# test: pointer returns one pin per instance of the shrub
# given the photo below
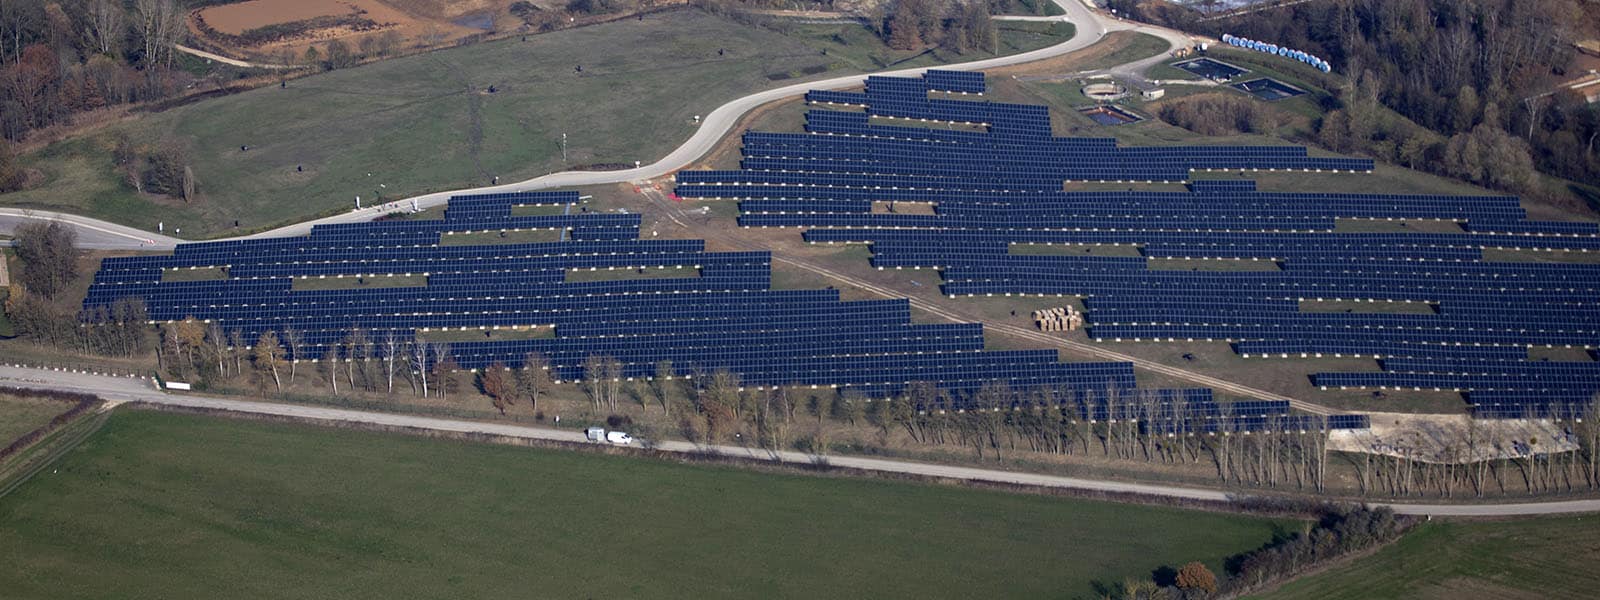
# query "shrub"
(1219, 114)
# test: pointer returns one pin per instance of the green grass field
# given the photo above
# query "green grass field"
(1027, 8)
(177, 506)
(416, 124)
(1501, 560)
(1139, 46)
(21, 415)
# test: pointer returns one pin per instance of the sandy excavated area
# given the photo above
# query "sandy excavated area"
(1442, 438)
(417, 21)
(244, 16)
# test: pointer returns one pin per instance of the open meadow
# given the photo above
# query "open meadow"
(160, 504)
(1548, 557)
(20, 415)
(616, 93)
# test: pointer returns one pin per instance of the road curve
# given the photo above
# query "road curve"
(1091, 27)
(92, 233)
(123, 389)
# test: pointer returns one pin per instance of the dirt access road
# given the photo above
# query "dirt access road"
(741, 240)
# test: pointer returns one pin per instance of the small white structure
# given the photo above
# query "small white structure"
(596, 434)
(1152, 93)
(178, 385)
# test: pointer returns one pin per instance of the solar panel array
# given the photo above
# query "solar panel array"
(1004, 186)
(722, 313)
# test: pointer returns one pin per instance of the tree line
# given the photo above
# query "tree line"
(205, 352)
(993, 422)
(949, 24)
(1339, 532)
(40, 308)
(1476, 72)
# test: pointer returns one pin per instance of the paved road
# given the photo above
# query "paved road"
(1091, 26)
(123, 389)
(92, 233)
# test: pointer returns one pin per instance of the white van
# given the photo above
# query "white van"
(596, 434)
(619, 437)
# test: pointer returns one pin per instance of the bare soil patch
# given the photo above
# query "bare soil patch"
(1438, 438)
(299, 24)
(244, 16)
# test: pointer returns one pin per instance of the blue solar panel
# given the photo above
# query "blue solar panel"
(702, 310)
(1000, 184)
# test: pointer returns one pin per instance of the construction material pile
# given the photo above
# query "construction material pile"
(1061, 318)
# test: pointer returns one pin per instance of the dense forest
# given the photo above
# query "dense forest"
(1480, 78)
(60, 57)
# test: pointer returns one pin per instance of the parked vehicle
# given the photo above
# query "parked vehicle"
(596, 434)
(619, 437)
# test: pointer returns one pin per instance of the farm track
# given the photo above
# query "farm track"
(738, 240)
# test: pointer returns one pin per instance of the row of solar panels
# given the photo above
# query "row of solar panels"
(991, 190)
(700, 322)
(1239, 242)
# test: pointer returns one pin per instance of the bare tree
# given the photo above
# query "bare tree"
(17, 19)
(160, 26)
(444, 366)
(391, 358)
(497, 384)
(237, 346)
(358, 354)
(659, 388)
(217, 342)
(108, 25)
(613, 380)
(296, 341)
(533, 378)
(418, 353)
(594, 373)
(330, 366)
(269, 356)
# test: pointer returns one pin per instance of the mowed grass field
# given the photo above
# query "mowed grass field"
(416, 124)
(181, 506)
(22, 415)
(1550, 557)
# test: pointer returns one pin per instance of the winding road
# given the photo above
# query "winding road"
(124, 389)
(1091, 28)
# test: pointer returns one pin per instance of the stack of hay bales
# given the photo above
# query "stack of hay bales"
(1061, 318)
